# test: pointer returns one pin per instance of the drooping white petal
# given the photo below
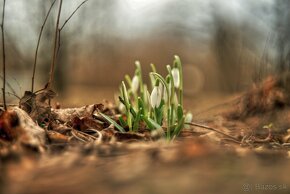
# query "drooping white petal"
(135, 83)
(176, 77)
(155, 97)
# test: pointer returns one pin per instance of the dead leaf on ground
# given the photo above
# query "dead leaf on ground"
(36, 104)
(16, 126)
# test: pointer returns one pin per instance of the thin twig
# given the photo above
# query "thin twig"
(212, 129)
(10, 87)
(2, 105)
(56, 39)
(231, 140)
(266, 140)
(229, 102)
(12, 94)
(72, 15)
(66, 21)
(38, 43)
(4, 56)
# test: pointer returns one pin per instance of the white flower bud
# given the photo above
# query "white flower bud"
(187, 119)
(176, 77)
(165, 96)
(155, 97)
(122, 108)
(135, 84)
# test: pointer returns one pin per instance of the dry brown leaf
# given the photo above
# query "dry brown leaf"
(66, 115)
(36, 104)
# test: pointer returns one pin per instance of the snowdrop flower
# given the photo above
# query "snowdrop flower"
(135, 84)
(176, 77)
(155, 97)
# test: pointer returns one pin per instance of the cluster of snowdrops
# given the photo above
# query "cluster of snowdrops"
(158, 109)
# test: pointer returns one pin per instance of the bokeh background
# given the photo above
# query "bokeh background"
(225, 46)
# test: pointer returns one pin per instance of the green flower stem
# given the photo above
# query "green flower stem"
(152, 78)
(130, 91)
(179, 127)
(127, 105)
(139, 71)
(172, 116)
(168, 123)
(153, 67)
(162, 80)
(172, 84)
(137, 120)
(144, 100)
(128, 80)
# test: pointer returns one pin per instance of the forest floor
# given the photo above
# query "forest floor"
(244, 150)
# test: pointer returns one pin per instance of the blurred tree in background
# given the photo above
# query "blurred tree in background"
(283, 34)
(223, 40)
